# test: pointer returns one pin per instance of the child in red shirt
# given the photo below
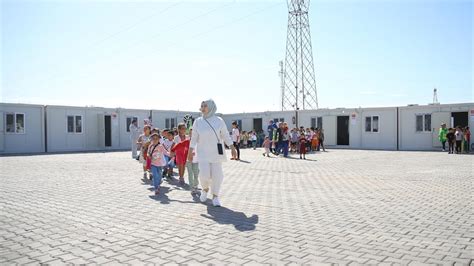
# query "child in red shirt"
(180, 149)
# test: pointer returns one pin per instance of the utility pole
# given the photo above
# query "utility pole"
(299, 78)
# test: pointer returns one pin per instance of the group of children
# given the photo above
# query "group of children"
(282, 140)
(458, 139)
(249, 139)
(161, 151)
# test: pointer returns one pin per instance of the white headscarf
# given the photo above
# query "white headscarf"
(211, 105)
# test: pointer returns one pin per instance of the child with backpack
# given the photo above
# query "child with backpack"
(157, 153)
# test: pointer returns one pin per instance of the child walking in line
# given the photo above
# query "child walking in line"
(193, 170)
(148, 159)
(168, 143)
(266, 145)
(180, 150)
(143, 143)
(303, 142)
(451, 140)
(157, 152)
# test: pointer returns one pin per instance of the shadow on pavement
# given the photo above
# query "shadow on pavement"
(224, 215)
(297, 158)
(164, 199)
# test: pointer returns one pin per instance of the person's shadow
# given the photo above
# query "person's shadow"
(162, 197)
(224, 215)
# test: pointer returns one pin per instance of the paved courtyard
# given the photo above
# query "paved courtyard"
(343, 206)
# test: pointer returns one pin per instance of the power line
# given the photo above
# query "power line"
(112, 35)
(55, 75)
(183, 24)
(138, 22)
(198, 35)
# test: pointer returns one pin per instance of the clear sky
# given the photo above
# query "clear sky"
(173, 54)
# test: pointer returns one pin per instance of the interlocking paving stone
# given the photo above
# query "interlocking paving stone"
(344, 206)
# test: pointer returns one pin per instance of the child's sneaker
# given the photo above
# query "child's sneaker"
(203, 196)
(215, 202)
(181, 181)
(157, 192)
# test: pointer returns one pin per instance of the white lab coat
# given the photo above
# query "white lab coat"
(134, 135)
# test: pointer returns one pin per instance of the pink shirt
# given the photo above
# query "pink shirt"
(157, 154)
(266, 144)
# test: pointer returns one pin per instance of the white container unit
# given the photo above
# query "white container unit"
(21, 128)
(258, 121)
(27, 128)
(72, 128)
(419, 125)
(170, 119)
(126, 117)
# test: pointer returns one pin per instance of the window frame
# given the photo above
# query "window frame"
(319, 118)
(14, 123)
(171, 123)
(279, 120)
(371, 130)
(316, 120)
(127, 125)
(74, 123)
(423, 123)
(239, 124)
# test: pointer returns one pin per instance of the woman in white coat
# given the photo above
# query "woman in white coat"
(134, 135)
(209, 136)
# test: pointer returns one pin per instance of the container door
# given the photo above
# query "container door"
(436, 120)
(257, 124)
(343, 130)
(108, 131)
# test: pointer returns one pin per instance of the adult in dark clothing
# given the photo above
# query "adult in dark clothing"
(271, 126)
(279, 139)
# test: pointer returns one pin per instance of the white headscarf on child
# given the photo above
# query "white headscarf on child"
(212, 108)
